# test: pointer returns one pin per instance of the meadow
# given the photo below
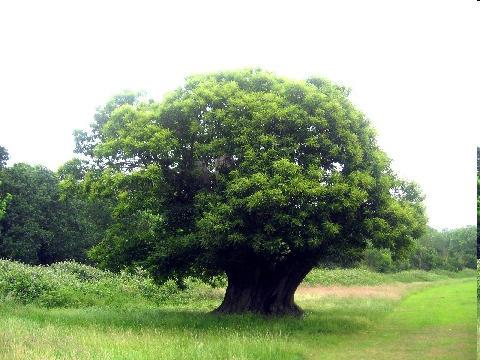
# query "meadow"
(73, 311)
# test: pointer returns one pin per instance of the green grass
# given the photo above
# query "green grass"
(435, 322)
(177, 333)
(438, 322)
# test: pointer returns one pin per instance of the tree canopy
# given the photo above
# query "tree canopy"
(42, 222)
(448, 249)
(3, 157)
(248, 174)
(4, 198)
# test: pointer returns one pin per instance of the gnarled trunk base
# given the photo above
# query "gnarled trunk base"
(263, 291)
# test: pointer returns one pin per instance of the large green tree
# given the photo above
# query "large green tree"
(250, 175)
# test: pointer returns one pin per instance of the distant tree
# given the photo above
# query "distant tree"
(461, 247)
(4, 197)
(74, 169)
(26, 231)
(4, 200)
(3, 157)
(478, 160)
(425, 254)
(247, 174)
(38, 227)
(89, 215)
(448, 249)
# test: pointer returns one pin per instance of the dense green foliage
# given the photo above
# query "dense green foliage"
(447, 249)
(379, 260)
(4, 198)
(3, 157)
(245, 169)
(92, 213)
(40, 223)
(70, 284)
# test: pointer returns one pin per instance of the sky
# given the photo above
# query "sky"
(413, 67)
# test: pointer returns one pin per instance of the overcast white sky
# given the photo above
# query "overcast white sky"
(414, 67)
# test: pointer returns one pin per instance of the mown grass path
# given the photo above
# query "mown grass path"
(438, 322)
(435, 322)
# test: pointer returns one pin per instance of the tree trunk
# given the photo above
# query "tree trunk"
(260, 290)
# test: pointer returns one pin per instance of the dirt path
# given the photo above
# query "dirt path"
(391, 291)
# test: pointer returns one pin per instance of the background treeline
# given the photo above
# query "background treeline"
(448, 249)
(46, 217)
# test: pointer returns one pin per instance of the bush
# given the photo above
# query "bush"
(379, 260)
(70, 284)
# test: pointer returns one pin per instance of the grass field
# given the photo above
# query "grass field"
(435, 320)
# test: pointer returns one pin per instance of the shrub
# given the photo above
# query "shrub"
(378, 260)
(70, 284)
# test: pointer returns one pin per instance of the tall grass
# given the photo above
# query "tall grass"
(70, 284)
(478, 287)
